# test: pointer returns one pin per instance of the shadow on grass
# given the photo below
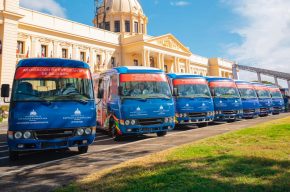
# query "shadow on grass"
(223, 173)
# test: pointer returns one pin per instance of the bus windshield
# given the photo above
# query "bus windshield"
(192, 88)
(248, 93)
(144, 86)
(52, 84)
(276, 94)
(224, 89)
(263, 94)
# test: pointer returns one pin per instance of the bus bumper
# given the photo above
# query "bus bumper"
(145, 129)
(37, 145)
(193, 120)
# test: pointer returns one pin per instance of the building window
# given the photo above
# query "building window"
(165, 68)
(64, 53)
(113, 62)
(142, 28)
(136, 27)
(135, 62)
(98, 60)
(107, 26)
(152, 63)
(127, 26)
(43, 50)
(20, 47)
(117, 26)
(82, 56)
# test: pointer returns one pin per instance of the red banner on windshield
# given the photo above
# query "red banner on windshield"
(261, 88)
(245, 86)
(51, 72)
(189, 82)
(274, 89)
(142, 78)
(222, 84)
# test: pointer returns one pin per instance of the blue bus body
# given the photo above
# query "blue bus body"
(277, 99)
(249, 98)
(265, 100)
(42, 118)
(193, 101)
(227, 102)
(134, 101)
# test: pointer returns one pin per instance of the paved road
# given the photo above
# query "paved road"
(44, 171)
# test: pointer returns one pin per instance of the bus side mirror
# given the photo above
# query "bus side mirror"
(5, 90)
(120, 90)
(175, 92)
(101, 94)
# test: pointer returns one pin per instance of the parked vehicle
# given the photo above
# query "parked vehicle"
(286, 97)
(193, 101)
(226, 97)
(52, 106)
(134, 101)
(277, 99)
(265, 100)
(250, 101)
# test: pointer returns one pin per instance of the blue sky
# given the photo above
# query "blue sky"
(251, 32)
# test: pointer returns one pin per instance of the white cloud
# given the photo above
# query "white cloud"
(47, 6)
(264, 29)
(180, 3)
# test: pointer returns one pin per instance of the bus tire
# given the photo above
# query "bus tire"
(202, 125)
(13, 155)
(83, 149)
(161, 134)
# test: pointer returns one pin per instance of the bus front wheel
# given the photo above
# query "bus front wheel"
(13, 155)
(83, 149)
(161, 134)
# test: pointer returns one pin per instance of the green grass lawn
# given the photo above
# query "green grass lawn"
(252, 159)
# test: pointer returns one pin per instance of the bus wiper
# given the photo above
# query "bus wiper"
(134, 97)
(158, 96)
(40, 98)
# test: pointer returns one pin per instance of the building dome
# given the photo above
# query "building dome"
(122, 16)
(123, 6)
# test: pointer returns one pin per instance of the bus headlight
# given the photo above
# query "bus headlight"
(184, 115)
(88, 131)
(127, 122)
(171, 119)
(80, 131)
(27, 135)
(166, 120)
(17, 135)
(133, 122)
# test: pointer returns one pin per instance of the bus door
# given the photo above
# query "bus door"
(103, 85)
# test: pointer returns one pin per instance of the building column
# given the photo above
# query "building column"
(55, 50)
(259, 77)
(276, 81)
(235, 71)
(288, 82)
(187, 66)
(144, 58)
(91, 63)
(34, 50)
(176, 65)
(159, 62)
(74, 52)
(148, 59)
(8, 36)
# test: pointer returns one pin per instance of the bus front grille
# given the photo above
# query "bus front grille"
(230, 112)
(197, 114)
(54, 134)
(155, 121)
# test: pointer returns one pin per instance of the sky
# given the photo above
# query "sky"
(250, 32)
